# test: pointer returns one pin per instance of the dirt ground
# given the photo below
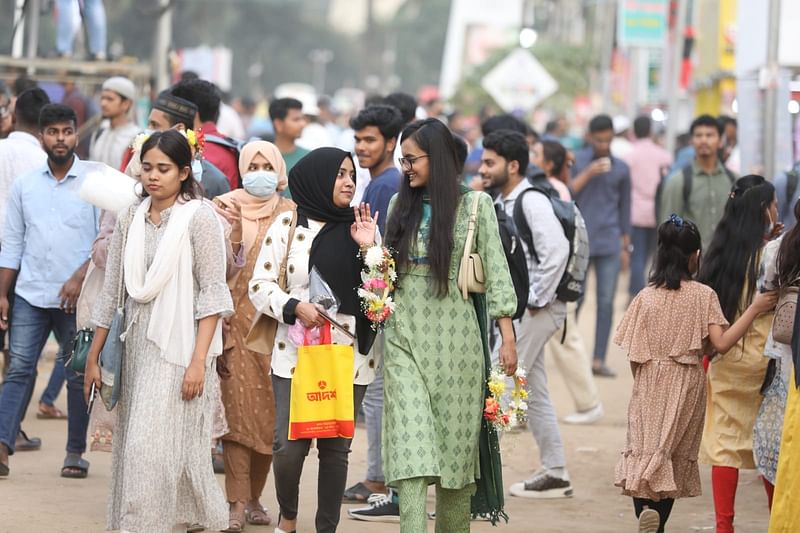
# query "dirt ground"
(35, 499)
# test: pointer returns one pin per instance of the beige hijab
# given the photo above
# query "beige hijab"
(255, 208)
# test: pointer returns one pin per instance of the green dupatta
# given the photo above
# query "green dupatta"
(488, 499)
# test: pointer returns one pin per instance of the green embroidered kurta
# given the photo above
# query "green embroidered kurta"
(433, 363)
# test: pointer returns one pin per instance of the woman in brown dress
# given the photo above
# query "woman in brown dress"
(665, 331)
(246, 387)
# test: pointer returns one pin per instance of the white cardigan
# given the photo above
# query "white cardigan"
(268, 298)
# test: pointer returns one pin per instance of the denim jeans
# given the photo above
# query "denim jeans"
(606, 270)
(373, 417)
(94, 16)
(30, 327)
(644, 244)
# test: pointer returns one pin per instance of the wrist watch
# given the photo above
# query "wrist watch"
(629, 248)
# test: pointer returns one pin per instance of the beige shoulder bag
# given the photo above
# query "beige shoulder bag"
(471, 277)
(785, 310)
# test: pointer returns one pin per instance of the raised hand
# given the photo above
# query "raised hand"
(363, 229)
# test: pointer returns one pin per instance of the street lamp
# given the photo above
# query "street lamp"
(527, 37)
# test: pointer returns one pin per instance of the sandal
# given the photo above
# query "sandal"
(50, 412)
(257, 516)
(236, 522)
(75, 467)
(358, 493)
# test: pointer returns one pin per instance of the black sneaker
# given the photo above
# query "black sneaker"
(543, 486)
(382, 508)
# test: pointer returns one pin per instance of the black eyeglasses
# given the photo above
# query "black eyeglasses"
(407, 163)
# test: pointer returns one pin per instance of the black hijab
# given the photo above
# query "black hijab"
(333, 252)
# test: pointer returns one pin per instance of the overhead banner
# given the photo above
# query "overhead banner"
(642, 23)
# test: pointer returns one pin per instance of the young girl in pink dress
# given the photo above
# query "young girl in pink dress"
(666, 330)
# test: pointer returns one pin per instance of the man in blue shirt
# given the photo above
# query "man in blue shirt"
(601, 186)
(376, 129)
(46, 246)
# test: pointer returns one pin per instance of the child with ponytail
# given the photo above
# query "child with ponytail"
(666, 330)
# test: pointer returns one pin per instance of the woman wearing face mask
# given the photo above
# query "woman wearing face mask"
(326, 238)
(167, 256)
(246, 387)
(731, 267)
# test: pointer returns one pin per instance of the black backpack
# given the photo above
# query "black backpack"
(573, 281)
(688, 178)
(515, 256)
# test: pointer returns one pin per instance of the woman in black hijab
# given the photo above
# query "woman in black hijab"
(327, 237)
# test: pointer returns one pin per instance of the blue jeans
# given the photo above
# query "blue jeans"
(606, 270)
(644, 244)
(94, 15)
(373, 417)
(30, 327)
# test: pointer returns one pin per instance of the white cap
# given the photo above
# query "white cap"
(122, 86)
(621, 123)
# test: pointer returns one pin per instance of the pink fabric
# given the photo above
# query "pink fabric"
(561, 188)
(645, 161)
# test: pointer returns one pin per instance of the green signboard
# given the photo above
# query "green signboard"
(642, 23)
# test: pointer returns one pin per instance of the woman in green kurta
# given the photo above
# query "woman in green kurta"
(434, 362)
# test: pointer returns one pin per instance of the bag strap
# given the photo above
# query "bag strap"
(688, 176)
(473, 222)
(285, 262)
(121, 284)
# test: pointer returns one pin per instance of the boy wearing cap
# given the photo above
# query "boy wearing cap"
(110, 142)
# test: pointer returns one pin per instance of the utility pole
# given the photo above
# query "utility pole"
(17, 42)
(771, 92)
(161, 45)
(607, 13)
(674, 86)
(34, 10)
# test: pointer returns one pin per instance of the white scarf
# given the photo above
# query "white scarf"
(169, 281)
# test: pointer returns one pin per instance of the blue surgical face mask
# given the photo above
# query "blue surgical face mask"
(197, 170)
(260, 183)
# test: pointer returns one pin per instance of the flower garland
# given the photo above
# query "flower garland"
(506, 414)
(377, 285)
(196, 140)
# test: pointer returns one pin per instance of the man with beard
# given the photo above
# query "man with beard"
(700, 190)
(116, 101)
(47, 241)
(503, 164)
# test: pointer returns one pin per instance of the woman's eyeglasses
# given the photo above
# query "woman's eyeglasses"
(407, 163)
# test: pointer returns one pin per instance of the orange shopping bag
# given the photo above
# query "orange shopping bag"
(322, 391)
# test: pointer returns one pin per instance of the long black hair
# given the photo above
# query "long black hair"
(731, 266)
(678, 241)
(176, 147)
(442, 189)
(789, 253)
(555, 152)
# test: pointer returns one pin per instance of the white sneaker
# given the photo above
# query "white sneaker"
(586, 417)
(649, 521)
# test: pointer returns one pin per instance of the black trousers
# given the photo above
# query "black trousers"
(662, 507)
(288, 457)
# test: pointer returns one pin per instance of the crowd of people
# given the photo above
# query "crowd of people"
(225, 234)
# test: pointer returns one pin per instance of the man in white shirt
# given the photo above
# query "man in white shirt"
(116, 100)
(503, 164)
(21, 152)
